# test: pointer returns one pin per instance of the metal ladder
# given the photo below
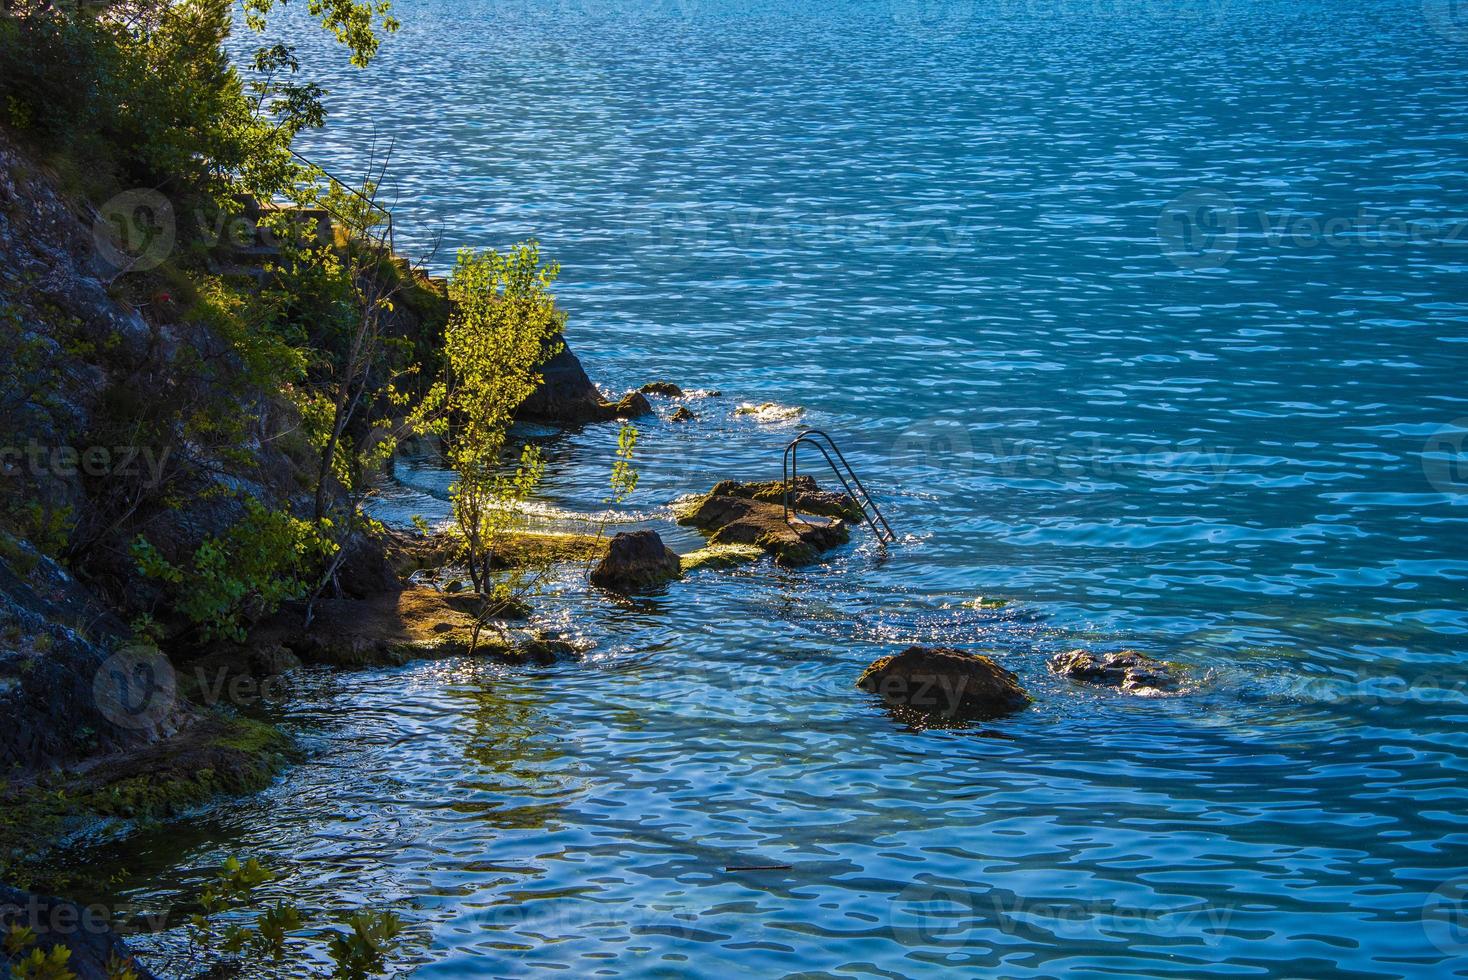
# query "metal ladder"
(869, 509)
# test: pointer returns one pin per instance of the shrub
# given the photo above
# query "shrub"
(502, 326)
(232, 579)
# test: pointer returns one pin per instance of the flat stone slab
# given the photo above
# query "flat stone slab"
(721, 556)
(396, 628)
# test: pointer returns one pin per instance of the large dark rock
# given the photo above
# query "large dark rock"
(742, 513)
(567, 396)
(367, 568)
(566, 393)
(1128, 670)
(636, 560)
(56, 922)
(945, 683)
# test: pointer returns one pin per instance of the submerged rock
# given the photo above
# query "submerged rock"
(544, 650)
(732, 519)
(682, 414)
(945, 683)
(665, 388)
(636, 560)
(1128, 670)
(770, 412)
(721, 556)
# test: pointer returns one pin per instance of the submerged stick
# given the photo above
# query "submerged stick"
(762, 867)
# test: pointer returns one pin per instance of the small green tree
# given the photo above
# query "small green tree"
(502, 327)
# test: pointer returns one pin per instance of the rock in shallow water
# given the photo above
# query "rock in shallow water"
(567, 396)
(742, 520)
(945, 683)
(633, 405)
(565, 393)
(805, 496)
(1128, 670)
(721, 556)
(665, 388)
(770, 412)
(636, 560)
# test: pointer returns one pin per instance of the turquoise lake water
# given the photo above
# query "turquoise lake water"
(1148, 317)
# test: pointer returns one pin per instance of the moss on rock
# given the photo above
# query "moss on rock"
(216, 757)
(737, 520)
(721, 556)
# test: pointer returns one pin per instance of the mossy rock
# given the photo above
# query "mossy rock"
(721, 556)
(216, 757)
(805, 496)
(417, 552)
(528, 549)
(391, 630)
(636, 560)
(664, 388)
(738, 520)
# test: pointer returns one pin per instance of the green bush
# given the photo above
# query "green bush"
(246, 573)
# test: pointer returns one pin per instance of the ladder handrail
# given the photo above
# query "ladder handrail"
(372, 205)
(866, 497)
(791, 472)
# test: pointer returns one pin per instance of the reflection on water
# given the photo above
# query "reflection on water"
(1052, 273)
